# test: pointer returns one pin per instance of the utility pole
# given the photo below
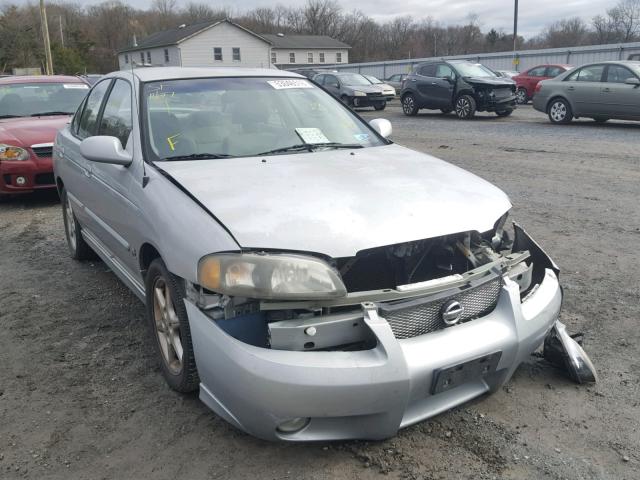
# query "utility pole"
(45, 35)
(515, 34)
(61, 33)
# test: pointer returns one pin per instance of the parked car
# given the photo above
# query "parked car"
(32, 110)
(526, 81)
(91, 78)
(506, 73)
(387, 90)
(396, 80)
(457, 85)
(279, 278)
(352, 89)
(600, 91)
(310, 72)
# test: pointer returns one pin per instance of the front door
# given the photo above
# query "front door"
(583, 88)
(619, 98)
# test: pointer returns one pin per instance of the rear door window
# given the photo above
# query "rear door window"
(592, 73)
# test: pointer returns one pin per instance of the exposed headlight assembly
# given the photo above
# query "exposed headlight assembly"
(9, 152)
(270, 276)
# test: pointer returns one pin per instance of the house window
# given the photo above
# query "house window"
(292, 57)
(126, 58)
(142, 58)
(166, 55)
(236, 54)
(338, 57)
(310, 57)
(217, 54)
(274, 58)
(149, 58)
(321, 57)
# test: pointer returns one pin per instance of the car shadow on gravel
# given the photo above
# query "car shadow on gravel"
(38, 199)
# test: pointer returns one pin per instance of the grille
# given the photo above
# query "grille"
(43, 152)
(412, 318)
(44, 179)
(502, 92)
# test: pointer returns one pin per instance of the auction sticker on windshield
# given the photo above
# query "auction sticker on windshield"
(312, 135)
(81, 86)
(289, 83)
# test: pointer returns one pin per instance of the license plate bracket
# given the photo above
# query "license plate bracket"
(445, 379)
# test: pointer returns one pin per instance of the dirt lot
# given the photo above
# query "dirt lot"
(81, 396)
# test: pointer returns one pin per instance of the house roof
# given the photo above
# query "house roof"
(304, 41)
(176, 35)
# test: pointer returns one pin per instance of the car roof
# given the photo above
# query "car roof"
(41, 79)
(154, 74)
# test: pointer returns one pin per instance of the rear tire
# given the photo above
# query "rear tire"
(465, 107)
(521, 96)
(504, 113)
(409, 106)
(78, 248)
(167, 317)
(560, 111)
(380, 106)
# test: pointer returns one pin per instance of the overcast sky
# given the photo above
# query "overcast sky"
(534, 14)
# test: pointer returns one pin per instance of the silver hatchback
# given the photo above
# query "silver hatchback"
(312, 279)
(602, 91)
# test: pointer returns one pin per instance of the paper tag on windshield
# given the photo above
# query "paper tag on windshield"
(289, 83)
(312, 135)
(81, 86)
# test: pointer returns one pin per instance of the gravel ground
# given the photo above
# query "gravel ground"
(81, 396)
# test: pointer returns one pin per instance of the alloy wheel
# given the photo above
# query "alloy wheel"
(521, 96)
(70, 224)
(463, 107)
(408, 105)
(558, 111)
(167, 326)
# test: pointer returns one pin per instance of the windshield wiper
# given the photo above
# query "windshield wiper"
(310, 147)
(198, 156)
(45, 114)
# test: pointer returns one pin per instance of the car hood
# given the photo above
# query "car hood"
(496, 82)
(27, 131)
(364, 88)
(338, 202)
(383, 86)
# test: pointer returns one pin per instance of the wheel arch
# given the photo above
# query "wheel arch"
(147, 254)
(59, 185)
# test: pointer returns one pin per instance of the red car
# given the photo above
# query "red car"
(32, 110)
(526, 81)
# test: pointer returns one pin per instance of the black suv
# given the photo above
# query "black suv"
(457, 85)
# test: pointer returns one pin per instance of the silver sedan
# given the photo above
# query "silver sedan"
(602, 91)
(312, 279)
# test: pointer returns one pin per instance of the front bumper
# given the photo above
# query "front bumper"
(37, 174)
(366, 394)
(368, 101)
(498, 104)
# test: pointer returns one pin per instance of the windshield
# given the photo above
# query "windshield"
(232, 117)
(29, 99)
(473, 70)
(372, 79)
(354, 79)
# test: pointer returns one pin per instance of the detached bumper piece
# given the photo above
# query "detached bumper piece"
(563, 351)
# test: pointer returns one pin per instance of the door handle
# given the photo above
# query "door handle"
(606, 90)
(571, 89)
(413, 79)
(434, 83)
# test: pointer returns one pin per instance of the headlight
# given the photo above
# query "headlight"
(9, 152)
(270, 276)
(358, 93)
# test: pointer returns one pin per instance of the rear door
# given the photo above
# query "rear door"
(443, 86)
(532, 77)
(583, 88)
(620, 99)
(77, 171)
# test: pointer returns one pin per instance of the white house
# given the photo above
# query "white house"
(225, 43)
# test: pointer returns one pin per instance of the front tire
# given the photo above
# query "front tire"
(560, 111)
(504, 113)
(465, 107)
(167, 317)
(521, 96)
(409, 105)
(380, 106)
(78, 248)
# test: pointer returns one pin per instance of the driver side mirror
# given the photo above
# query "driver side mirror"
(382, 126)
(103, 149)
(632, 81)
